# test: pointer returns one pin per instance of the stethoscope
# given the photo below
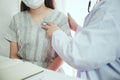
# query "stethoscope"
(89, 5)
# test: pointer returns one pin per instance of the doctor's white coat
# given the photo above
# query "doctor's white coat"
(95, 49)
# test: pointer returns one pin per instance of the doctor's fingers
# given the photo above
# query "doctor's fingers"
(49, 24)
(48, 31)
(46, 26)
(50, 27)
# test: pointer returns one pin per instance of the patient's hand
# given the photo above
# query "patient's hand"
(55, 64)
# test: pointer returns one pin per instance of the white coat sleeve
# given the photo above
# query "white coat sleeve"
(92, 47)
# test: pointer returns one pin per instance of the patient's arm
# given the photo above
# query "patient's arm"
(55, 64)
(13, 50)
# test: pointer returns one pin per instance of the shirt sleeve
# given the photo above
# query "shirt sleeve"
(92, 47)
(63, 23)
(11, 34)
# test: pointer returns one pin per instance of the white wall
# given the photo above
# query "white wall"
(7, 9)
(78, 9)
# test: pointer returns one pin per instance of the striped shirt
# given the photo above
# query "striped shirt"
(34, 46)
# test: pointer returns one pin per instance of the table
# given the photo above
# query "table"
(15, 69)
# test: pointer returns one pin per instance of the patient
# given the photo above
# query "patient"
(28, 41)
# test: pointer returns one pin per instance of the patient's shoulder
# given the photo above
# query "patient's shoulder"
(20, 15)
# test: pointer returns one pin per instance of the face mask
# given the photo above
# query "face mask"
(33, 3)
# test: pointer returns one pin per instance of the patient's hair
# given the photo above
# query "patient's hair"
(48, 3)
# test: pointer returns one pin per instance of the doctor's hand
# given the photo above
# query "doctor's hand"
(50, 28)
(73, 25)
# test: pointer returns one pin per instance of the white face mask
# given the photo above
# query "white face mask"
(33, 3)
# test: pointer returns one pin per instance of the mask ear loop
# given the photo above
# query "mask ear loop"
(89, 5)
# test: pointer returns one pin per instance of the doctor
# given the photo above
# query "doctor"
(95, 48)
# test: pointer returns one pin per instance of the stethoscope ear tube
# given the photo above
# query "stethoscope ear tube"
(89, 5)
